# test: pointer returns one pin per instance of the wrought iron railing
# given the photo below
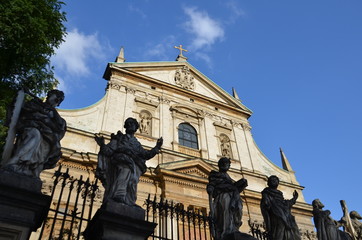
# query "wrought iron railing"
(72, 208)
(174, 222)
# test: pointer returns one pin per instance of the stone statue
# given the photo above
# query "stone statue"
(225, 146)
(279, 221)
(145, 123)
(225, 202)
(327, 227)
(121, 162)
(38, 133)
(356, 223)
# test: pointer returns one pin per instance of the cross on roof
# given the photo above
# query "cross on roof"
(181, 49)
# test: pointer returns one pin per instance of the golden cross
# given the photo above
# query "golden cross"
(181, 49)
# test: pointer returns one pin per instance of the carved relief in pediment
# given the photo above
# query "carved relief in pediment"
(184, 78)
(193, 172)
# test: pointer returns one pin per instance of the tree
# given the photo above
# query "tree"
(30, 31)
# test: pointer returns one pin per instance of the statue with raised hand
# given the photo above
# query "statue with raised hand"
(121, 162)
(225, 202)
(279, 221)
(327, 227)
(39, 130)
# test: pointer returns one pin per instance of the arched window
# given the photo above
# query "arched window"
(187, 136)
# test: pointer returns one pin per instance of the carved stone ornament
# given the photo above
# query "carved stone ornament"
(114, 85)
(184, 78)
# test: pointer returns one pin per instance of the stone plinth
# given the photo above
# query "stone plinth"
(22, 206)
(239, 236)
(116, 221)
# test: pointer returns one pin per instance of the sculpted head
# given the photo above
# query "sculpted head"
(355, 214)
(131, 125)
(55, 97)
(317, 204)
(224, 164)
(273, 181)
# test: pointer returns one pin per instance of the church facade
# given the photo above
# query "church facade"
(199, 122)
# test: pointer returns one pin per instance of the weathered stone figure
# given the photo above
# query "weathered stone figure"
(225, 202)
(356, 223)
(39, 131)
(279, 221)
(121, 162)
(327, 227)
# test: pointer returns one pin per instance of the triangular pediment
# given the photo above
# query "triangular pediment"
(193, 167)
(180, 75)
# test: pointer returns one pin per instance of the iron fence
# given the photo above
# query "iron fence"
(72, 208)
(174, 222)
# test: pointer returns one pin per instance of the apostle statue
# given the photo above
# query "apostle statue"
(121, 162)
(327, 227)
(225, 202)
(356, 223)
(38, 133)
(279, 221)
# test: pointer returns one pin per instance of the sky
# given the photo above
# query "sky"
(296, 64)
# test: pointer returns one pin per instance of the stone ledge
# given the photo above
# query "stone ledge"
(238, 236)
(107, 225)
(18, 181)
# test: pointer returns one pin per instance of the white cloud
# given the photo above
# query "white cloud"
(62, 86)
(206, 30)
(206, 58)
(160, 51)
(73, 55)
(236, 11)
(137, 11)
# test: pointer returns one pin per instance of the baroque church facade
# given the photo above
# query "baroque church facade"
(199, 122)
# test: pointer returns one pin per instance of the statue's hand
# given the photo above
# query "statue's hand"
(295, 195)
(99, 139)
(159, 143)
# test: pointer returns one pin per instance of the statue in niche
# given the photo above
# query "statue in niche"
(38, 133)
(225, 146)
(145, 123)
(225, 202)
(279, 221)
(121, 162)
(327, 227)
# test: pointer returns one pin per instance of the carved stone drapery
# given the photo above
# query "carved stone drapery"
(184, 78)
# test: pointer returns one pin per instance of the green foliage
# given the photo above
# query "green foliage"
(30, 31)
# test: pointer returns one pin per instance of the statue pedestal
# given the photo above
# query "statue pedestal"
(22, 206)
(114, 221)
(238, 236)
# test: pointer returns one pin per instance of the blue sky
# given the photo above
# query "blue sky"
(296, 64)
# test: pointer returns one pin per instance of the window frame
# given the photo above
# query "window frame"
(192, 141)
